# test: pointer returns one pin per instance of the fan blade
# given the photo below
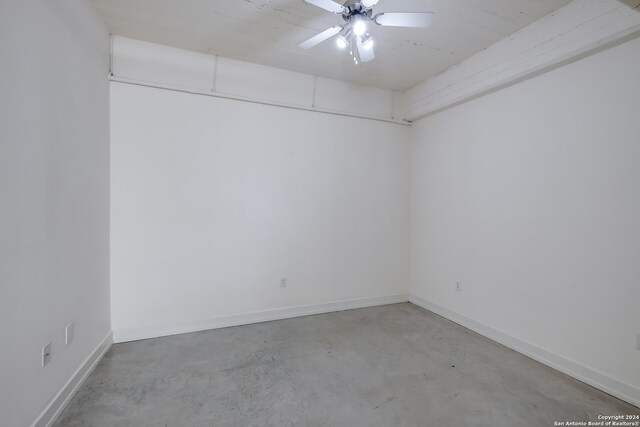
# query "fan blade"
(369, 4)
(415, 20)
(365, 52)
(328, 5)
(319, 38)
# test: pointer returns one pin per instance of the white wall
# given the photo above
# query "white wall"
(54, 196)
(214, 200)
(530, 197)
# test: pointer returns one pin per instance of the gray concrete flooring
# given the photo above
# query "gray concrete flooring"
(396, 365)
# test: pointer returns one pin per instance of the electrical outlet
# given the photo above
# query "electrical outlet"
(46, 354)
(283, 282)
(458, 287)
(68, 334)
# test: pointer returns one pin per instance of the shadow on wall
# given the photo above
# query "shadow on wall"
(633, 4)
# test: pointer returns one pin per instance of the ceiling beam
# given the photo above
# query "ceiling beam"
(581, 28)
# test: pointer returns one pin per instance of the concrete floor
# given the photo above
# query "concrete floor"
(396, 365)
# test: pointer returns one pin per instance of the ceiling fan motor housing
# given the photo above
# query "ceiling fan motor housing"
(355, 9)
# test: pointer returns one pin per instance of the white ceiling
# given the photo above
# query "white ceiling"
(268, 31)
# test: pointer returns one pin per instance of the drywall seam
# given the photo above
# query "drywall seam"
(215, 73)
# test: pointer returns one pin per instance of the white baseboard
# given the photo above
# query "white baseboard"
(590, 376)
(587, 375)
(134, 334)
(60, 401)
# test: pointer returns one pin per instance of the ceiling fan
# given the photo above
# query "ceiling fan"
(354, 34)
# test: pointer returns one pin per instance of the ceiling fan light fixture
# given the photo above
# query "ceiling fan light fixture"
(342, 42)
(367, 42)
(359, 26)
(353, 33)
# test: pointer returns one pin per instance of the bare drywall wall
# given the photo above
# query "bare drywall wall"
(54, 196)
(529, 198)
(214, 201)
